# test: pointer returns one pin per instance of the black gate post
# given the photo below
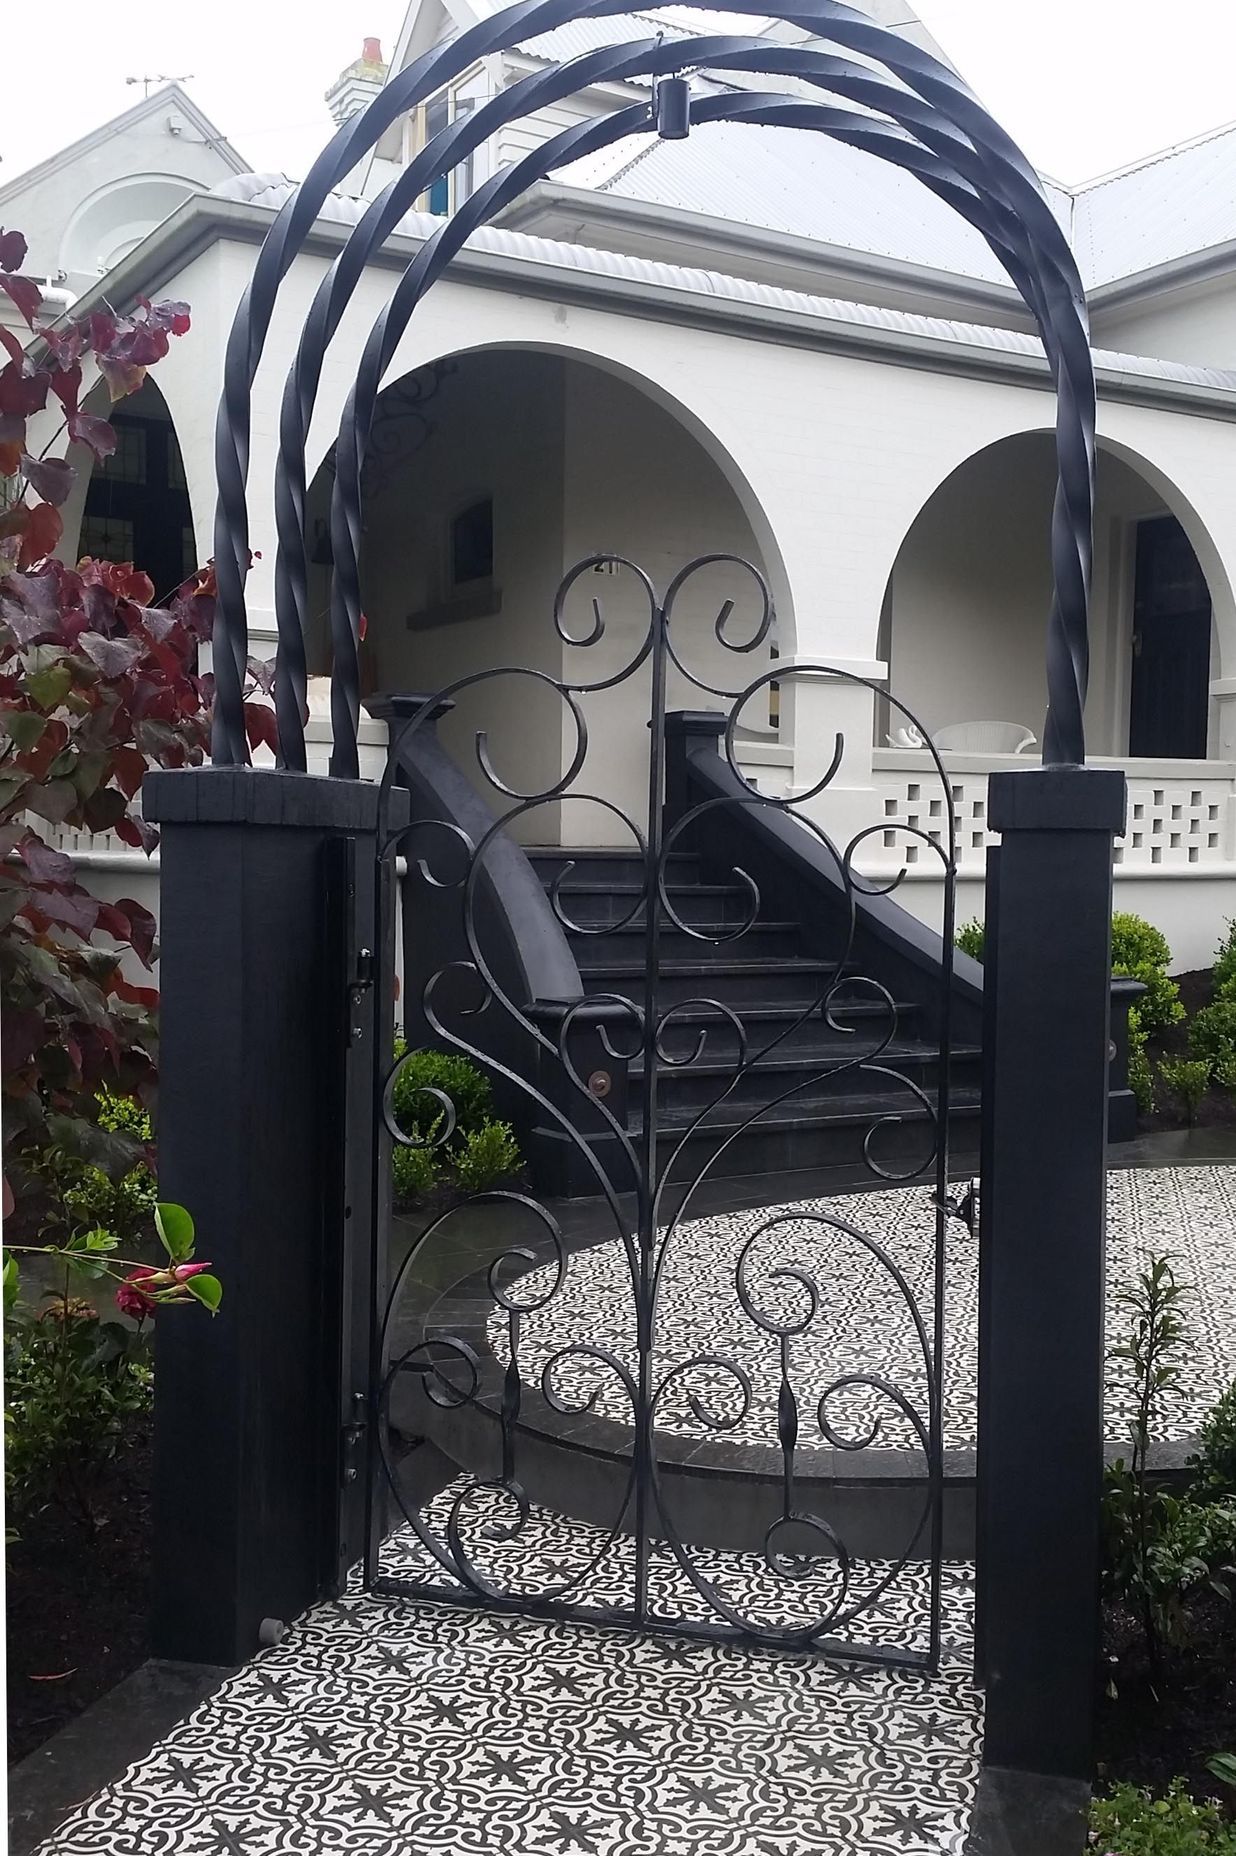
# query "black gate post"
(256, 1011)
(1047, 987)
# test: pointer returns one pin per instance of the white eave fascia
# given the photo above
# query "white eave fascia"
(1195, 267)
(587, 206)
(204, 220)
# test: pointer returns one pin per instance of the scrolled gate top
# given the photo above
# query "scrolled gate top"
(926, 120)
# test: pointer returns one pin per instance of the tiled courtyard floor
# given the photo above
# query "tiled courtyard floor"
(377, 1728)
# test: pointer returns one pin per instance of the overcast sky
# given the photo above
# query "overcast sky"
(1084, 85)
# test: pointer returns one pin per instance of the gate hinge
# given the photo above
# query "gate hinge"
(352, 1437)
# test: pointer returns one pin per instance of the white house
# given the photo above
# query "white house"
(764, 342)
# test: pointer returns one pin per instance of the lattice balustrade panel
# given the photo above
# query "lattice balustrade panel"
(1175, 822)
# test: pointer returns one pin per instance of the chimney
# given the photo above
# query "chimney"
(359, 84)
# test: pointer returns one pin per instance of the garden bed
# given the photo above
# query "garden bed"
(78, 1597)
(1217, 1108)
(1158, 1725)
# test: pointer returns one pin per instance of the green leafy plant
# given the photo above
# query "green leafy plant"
(1223, 1766)
(1224, 970)
(489, 1153)
(1137, 942)
(971, 938)
(1187, 1078)
(426, 1077)
(73, 1380)
(1141, 952)
(414, 1172)
(1133, 1822)
(445, 1103)
(1214, 1465)
(72, 1384)
(1141, 1076)
(1133, 1513)
(1212, 1034)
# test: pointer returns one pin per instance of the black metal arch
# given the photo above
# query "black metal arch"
(929, 124)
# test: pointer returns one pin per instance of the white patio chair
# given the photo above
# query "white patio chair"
(983, 738)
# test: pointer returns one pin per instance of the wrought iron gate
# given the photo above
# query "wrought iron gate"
(652, 1406)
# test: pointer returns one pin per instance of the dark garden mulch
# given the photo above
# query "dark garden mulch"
(1167, 1722)
(78, 1597)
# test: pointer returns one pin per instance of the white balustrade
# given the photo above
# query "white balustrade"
(1181, 815)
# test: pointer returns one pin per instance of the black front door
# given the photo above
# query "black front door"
(1170, 698)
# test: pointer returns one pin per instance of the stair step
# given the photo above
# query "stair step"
(846, 1106)
(592, 904)
(739, 983)
(798, 1137)
(692, 1085)
(766, 944)
(621, 866)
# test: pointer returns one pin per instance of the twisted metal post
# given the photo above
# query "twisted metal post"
(932, 126)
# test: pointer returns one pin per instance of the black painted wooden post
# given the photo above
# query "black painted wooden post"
(255, 1014)
(1047, 988)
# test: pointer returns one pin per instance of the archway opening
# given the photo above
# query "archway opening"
(134, 505)
(488, 476)
(965, 612)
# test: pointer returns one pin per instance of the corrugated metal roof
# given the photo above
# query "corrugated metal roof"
(1169, 207)
(804, 184)
(577, 36)
(273, 190)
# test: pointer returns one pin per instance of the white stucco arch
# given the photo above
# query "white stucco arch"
(952, 634)
(640, 381)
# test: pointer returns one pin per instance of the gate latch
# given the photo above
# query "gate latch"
(363, 978)
(351, 1437)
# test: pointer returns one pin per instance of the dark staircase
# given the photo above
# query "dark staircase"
(819, 1088)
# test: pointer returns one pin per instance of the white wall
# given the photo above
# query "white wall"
(1192, 911)
(1196, 324)
(496, 430)
(972, 587)
(638, 484)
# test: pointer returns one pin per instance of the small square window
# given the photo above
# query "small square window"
(472, 543)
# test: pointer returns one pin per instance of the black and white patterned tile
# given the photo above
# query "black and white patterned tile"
(864, 1321)
(377, 1727)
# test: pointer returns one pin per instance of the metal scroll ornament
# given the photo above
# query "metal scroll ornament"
(533, 1371)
